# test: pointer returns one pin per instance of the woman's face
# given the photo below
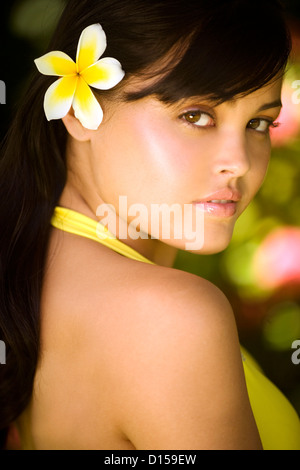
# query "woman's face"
(204, 163)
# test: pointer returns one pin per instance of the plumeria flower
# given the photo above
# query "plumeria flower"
(73, 88)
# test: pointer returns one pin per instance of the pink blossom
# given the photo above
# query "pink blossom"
(277, 260)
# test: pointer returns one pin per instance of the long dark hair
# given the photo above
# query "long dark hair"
(221, 49)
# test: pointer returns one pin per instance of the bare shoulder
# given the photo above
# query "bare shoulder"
(189, 297)
(176, 310)
(169, 302)
(85, 275)
(184, 304)
(164, 343)
(179, 380)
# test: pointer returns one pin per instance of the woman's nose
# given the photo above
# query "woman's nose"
(233, 156)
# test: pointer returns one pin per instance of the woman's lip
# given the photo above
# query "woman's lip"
(219, 209)
(222, 203)
(225, 194)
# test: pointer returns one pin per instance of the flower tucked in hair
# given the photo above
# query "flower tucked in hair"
(73, 89)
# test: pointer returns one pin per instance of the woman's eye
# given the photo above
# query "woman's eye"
(198, 118)
(261, 125)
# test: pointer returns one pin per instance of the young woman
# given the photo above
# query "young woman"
(108, 347)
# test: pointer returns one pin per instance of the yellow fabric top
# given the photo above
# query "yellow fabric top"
(277, 421)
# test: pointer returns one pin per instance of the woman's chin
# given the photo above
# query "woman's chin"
(214, 240)
(198, 246)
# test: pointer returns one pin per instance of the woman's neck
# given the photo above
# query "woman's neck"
(152, 249)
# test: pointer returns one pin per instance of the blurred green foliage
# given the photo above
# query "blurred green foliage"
(35, 20)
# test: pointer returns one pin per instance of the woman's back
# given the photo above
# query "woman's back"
(102, 343)
(72, 405)
(96, 343)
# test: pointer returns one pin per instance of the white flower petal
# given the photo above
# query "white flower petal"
(56, 63)
(59, 97)
(104, 74)
(92, 44)
(86, 107)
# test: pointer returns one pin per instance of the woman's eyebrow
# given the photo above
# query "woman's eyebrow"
(274, 104)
